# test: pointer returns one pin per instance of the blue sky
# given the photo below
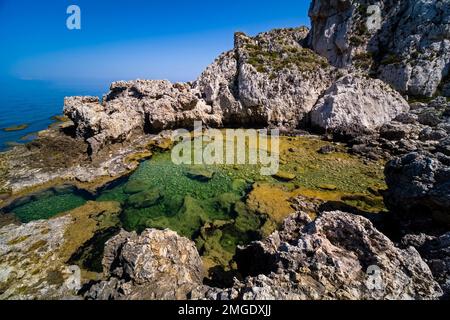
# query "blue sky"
(131, 39)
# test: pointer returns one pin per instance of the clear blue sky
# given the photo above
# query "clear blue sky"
(130, 39)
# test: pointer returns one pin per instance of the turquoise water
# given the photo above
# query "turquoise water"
(159, 194)
(204, 204)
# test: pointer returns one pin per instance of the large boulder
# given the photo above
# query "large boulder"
(435, 250)
(339, 256)
(152, 266)
(419, 187)
(406, 43)
(355, 104)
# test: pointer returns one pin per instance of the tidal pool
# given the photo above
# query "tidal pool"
(222, 206)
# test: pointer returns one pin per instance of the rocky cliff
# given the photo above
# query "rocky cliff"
(403, 42)
(272, 79)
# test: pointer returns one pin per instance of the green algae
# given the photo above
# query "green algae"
(48, 206)
(223, 206)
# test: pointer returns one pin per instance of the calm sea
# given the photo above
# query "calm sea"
(34, 103)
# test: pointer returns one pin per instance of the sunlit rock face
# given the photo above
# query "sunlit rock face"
(355, 105)
(154, 265)
(270, 79)
(310, 260)
(405, 43)
(135, 108)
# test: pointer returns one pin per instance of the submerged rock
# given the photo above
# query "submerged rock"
(135, 186)
(153, 265)
(199, 174)
(285, 176)
(144, 199)
(338, 256)
(19, 127)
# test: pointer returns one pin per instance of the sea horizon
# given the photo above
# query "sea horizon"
(33, 103)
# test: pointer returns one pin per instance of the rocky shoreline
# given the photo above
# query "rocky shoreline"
(346, 79)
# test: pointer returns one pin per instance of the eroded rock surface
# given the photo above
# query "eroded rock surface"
(436, 252)
(419, 187)
(34, 256)
(424, 128)
(267, 80)
(355, 105)
(406, 43)
(153, 265)
(338, 256)
(270, 79)
(135, 108)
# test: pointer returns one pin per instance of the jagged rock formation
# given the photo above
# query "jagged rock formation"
(271, 79)
(419, 185)
(135, 107)
(338, 256)
(355, 105)
(268, 80)
(153, 265)
(424, 128)
(405, 43)
(34, 256)
(436, 252)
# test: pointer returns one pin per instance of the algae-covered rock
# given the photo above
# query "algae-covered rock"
(226, 201)
(144, 199)
(194, 216)
(239, 185)
(34, 255)
(135, 186)
(329, 187)
(285, 176)
(200, 174)
(213, 251)
(246, 221)
(270, 201)
(19, 127)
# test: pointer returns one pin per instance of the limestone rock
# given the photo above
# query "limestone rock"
(153, 265)
(338, 256)
(356, 105)
(30, 266)
(436, 253)
(406, 43)
(135, 107)
(34, 256)
(270, 79)
(418, 186)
